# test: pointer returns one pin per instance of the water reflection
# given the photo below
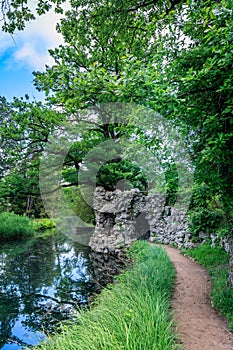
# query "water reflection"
(41, 282)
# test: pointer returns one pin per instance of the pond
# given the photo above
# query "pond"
(42, 281)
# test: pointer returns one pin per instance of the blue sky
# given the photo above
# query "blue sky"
(26, 52)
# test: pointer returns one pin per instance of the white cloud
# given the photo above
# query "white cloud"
(29, 55)
(39, 36)
(30, 47)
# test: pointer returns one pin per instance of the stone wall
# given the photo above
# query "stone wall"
(125, 216)
(117, 217)
(171, 227)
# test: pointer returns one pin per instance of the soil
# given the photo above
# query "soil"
(199, 326)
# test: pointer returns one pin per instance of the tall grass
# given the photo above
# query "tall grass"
(132, 314)
(215, 259)
(13, 226)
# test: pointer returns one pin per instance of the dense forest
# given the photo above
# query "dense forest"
(172, 57)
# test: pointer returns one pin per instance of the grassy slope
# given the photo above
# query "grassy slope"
(131, 314)
(216, 262)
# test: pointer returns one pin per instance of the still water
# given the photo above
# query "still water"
(41, 282)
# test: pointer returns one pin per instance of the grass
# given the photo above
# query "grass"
(215, 260)
(14, 227)
(131, 314)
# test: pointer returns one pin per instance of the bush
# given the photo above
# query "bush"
(206, 220)
(201, 196)
(13, 226)
(43, 224)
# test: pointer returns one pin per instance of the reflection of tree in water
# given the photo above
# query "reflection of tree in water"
(40, 282)
(8, 315)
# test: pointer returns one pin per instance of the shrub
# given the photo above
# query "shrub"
(13, 226)
(206, 220)
(43, 224)
(201, 195)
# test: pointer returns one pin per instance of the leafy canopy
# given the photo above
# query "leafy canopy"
(172, 56)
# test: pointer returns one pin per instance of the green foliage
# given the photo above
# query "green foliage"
(19, 192)
(24, 130)
(172, 56)
(13, 226)
(204, 94)
(172, 183)
(215, 259)
(182, 73)
(201, 196)
(15, 14)
(208, 256)
(206, 220)
(43, 224)
(111, 173)
(95, 73)
(131, 314)
(222, 293)
(78, 199)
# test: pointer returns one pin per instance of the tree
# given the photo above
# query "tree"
(201, 76)
(16, 13)
(95, 63)
(174, 57)
(25, 127)
(176, 61)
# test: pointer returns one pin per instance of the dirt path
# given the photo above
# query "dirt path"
(199, 325)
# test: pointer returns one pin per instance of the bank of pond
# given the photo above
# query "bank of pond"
(133, 313)
(50, 283)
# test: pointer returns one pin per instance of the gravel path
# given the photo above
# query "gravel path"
(200, 327)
